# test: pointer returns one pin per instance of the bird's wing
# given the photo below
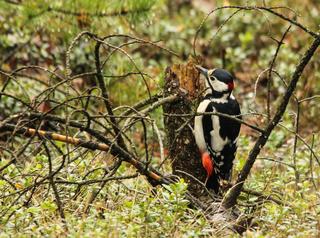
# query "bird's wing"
(201, 126)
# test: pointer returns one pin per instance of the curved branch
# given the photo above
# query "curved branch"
(231, 198)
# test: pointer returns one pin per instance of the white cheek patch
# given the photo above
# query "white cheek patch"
(218, 85)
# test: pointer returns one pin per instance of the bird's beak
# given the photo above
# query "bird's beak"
(202, 70)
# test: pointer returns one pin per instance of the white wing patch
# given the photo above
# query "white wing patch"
(217, 143)
(198, 127)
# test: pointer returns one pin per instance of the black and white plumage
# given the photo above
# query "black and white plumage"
(216, 136)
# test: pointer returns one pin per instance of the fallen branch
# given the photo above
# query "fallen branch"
(109, 146)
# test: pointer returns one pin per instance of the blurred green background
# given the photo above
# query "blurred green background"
(39, 32)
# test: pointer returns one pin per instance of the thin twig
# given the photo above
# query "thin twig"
(280, 43)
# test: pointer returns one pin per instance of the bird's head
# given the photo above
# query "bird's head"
(217, 80)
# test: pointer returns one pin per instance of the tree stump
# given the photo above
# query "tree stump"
(183, 80)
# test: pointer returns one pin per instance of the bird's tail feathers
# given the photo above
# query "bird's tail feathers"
(212, 182)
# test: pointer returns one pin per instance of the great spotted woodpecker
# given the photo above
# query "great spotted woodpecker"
(216, 136)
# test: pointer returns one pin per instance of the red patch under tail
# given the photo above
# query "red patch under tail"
(207, 163)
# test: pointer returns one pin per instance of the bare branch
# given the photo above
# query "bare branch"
(233, 194)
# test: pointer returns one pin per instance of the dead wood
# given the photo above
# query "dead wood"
(183, 80)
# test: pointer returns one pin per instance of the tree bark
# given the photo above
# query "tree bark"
(183, 80)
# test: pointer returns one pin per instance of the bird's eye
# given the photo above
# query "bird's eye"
(212, 78)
